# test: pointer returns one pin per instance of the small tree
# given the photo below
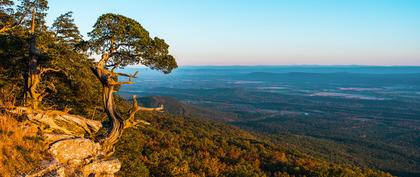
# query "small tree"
(75, 65)
(65, 29)
(122, 41)
(33, 13)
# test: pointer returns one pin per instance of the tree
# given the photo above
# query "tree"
(21, 15)
(33, 13)
(72, 86)
(8, 19)
(33, 77)
(122, 41)
(65, 29)
(29, 14)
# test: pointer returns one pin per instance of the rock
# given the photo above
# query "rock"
(60, 122)
(102, 168)
(73, 155)
(74, 151)
(52, 137)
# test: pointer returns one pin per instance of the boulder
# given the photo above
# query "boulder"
(74, 151)
(102, 168)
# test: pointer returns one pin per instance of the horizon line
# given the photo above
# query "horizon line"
(287, 65)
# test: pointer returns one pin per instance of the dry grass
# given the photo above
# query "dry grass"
(21, 150)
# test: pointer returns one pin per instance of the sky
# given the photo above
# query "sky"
(269, 32)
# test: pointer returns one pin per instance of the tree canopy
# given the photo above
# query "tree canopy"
(126, 42)
(66, 30)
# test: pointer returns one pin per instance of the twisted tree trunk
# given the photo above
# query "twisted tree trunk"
(33, 78)
(117, 122)
(115, 129)
(109, 79)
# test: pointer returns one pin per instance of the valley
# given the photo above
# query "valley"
(368, 116)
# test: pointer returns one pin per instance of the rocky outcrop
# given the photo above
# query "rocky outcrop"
(102, 168)
(74, 152)
(68, 138)
(65, 136)
(59, 122)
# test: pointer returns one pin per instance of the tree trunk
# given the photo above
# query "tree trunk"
(32, 97)
(117, 122)
(115, 129)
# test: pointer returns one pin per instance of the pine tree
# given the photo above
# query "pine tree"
(65, 29)
(122, 41)
(35, 12)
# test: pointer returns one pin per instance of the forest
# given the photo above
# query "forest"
(359, 115)
(60, 114)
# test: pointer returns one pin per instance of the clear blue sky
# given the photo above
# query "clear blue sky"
(270, 32)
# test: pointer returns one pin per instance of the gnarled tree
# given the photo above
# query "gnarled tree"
(29, 14)
(122, 41)
(33, 76)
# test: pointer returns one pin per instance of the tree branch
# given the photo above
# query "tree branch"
(159, 109)
(131, 121)
(127, 75)
(115, 66)
(103, 60)
(113, 83)
(44, 70)
(11, 26)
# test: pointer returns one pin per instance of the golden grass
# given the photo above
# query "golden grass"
(21, 150)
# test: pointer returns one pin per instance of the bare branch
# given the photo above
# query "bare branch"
(115, 66)
(158, 109)
(45, 70)
(131, 121)
(127, 75)
(113, 83)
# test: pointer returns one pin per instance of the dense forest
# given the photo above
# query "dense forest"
(191, 146)
(49, 71)
(365, 116)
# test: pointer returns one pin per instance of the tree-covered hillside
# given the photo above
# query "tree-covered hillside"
(191, 146)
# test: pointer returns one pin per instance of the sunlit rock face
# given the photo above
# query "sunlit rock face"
(81, 157)
(74, 151)
(102, 168)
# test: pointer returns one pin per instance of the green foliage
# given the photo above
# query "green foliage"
(6, 13)
(5, 10)
(65, 29)
(179, 146)
(25, 9)
(73, 86)
(128, 43)
(375, 134)
(77, 87)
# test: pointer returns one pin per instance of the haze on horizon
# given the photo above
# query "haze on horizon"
(270, 32)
